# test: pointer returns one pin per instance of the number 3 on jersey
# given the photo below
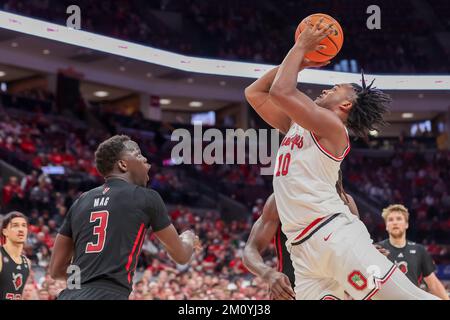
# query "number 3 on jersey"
(99, 231)
(283, 164)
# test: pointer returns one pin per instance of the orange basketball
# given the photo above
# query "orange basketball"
(333, 42)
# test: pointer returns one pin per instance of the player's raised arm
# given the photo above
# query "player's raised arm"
(298, 106)
(262, 233)
(257, 95)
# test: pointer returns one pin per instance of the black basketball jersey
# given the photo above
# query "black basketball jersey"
(284, 258)
(413, 260)
(108, 225)
(13, 277)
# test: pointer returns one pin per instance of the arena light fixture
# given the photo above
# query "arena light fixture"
(373, 133)
(2, 74)
(14, 44)
(101, 94)
(195, 104)
(46, 51)
(407, 115)
(165, 102)
(217, 67)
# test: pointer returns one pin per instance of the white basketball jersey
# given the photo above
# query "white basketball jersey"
(304, 183)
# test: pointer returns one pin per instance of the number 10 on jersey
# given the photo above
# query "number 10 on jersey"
(283, 164)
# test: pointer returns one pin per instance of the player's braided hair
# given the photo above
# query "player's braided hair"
(108, 153)
(368, 108)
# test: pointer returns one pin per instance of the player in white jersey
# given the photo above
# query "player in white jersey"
(331, 249)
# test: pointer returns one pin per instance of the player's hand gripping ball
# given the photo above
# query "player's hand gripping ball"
(330, 45)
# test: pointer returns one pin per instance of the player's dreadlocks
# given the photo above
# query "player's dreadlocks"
(368, 108)
(108, 152)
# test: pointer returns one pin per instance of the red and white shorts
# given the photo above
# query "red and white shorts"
(336, 257)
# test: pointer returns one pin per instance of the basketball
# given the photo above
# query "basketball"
(332, 42)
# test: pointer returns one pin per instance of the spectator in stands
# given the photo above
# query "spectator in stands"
(12, 194)
(40, 194)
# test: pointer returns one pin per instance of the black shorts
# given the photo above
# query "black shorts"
(92, 293)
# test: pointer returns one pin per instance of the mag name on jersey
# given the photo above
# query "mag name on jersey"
(101, 202)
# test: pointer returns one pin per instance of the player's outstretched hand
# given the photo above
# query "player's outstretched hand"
(279, 286)
(382, 250)
(310, 38)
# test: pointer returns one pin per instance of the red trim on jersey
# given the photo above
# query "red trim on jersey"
(280, 252)
(380, 282)
(419, 281)
(140, 248)
(130, 257)
(311, 225)
(328, 153)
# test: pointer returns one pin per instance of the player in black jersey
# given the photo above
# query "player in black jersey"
(14, 266)
(105, 227)
(410, 257)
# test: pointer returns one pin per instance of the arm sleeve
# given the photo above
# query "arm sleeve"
(427, 263)
(66, 228)
(156, 210)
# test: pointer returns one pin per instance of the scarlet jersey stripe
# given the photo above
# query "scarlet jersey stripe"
(136, 241)
(275, 243)
(280, 252)
(419, 281)
(309, 227)
(311, 232)
(140, 248)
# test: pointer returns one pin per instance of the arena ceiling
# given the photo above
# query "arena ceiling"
(23, 56)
